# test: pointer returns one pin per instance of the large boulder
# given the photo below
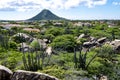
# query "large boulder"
(27, 75)
(5, 73)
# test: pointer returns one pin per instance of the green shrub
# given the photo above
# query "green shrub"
(106, 51)
(13, 45)
(18, 39)
(64, 42)
(55, 31)
(56, 71)
(11, 59)
(94, 67)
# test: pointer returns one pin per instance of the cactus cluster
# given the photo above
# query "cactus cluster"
(33, 60)
(81, 61)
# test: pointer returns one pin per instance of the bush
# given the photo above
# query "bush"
(55, 31)
(64, 42)
(106, 51)
(19, 39)
(56, 71)
(11, 59)
(94, 67)
(62, 59)
(13, 45)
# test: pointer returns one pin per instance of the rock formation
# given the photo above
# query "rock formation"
(27, 75)
(7, 74)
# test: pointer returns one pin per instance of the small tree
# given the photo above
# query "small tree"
(55, 31)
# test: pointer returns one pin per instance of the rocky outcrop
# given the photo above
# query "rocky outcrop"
(27, 75)
(5, 73)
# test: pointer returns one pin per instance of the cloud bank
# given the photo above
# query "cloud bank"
(26, 5)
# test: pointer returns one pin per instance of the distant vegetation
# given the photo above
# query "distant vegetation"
(65, 49)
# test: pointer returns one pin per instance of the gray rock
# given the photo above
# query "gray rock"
(87, 44)
(103, 78)
(48, 50)
(92, 38)
(102, 40)
(5, 73)
(116, 45)
(81, 36)
(24, 47)
(27, 75)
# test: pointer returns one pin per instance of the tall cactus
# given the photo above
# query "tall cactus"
(80, 62)
(33, 60)
(75, 58)
(4, 43)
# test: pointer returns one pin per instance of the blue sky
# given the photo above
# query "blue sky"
(70, 9)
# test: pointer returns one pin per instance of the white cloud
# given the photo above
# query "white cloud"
(116, 3)
(92, 3)
(72, 3)
(23, 5)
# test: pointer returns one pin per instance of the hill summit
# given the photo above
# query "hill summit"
(46, 15)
